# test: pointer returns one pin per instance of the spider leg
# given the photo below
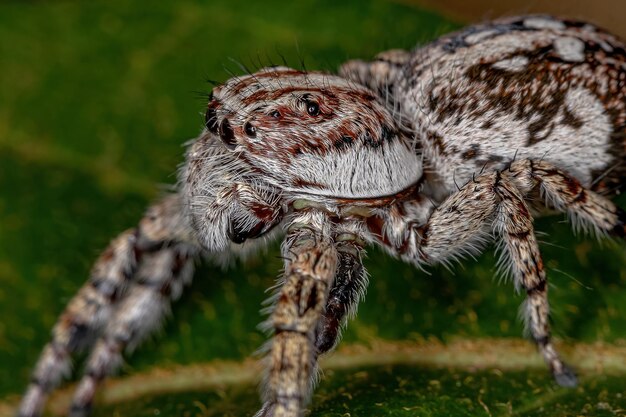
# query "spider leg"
(461, 225)
(379, 74)
(347, 291)
(82, 318)
(159, 280)
(310, 268)
(586, 209)
(156, 242)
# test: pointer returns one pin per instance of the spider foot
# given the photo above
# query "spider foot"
(271, 409)
(566, 377)
(78, 410)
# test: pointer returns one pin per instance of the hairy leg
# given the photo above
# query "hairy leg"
(348, 289)
(462, 225)
(310, 268)
(159, 279)
(100, 298)
(586, 209)
(379, 74)
(82, 319)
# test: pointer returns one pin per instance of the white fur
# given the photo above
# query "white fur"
(570, 49)
(515, 64)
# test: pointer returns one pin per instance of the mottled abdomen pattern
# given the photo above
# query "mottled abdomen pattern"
(529, 87)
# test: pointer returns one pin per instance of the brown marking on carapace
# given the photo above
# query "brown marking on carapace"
(379, 201)
(262, 95)
(343, 142)
(358, 95)
(363, 131)
(301, 183)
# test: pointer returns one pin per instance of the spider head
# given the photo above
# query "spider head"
(313, 134)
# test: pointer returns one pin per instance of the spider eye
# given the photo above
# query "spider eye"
(210, 120)
(275, 114)
(312, 108)
(250, 129)
(227, 135)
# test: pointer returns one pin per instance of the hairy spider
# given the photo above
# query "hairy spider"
(512, 110)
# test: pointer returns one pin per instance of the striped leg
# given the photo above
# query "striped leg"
(159, 279)
(520, 246)
(344, 297)
(586, 209)
(310, 269)
(459, 225)
(91, 309)
(82, 320)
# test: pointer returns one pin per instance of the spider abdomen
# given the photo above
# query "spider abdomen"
(530, 87)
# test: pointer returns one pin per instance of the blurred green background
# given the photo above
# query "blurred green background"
(96, 101)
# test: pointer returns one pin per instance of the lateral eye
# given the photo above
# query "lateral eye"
(312, 108)
(250, 129)
(275, 114)
(210, 120)
(227, 135)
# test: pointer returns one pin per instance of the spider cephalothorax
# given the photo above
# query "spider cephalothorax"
(289, 134)
(313, 133)
(335, 163)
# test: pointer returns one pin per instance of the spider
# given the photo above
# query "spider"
(430, 154)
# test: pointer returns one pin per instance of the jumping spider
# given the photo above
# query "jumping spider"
(524, 114)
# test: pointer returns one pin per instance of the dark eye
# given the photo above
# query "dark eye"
(275, 114)
(312, 108)
(250, 129)
(227, 135)
(210, 120)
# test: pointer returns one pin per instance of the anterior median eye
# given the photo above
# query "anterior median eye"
(312, 108)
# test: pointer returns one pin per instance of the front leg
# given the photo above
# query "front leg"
(348, 290)
(126, 296)
(463, 224)
(310, 268)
